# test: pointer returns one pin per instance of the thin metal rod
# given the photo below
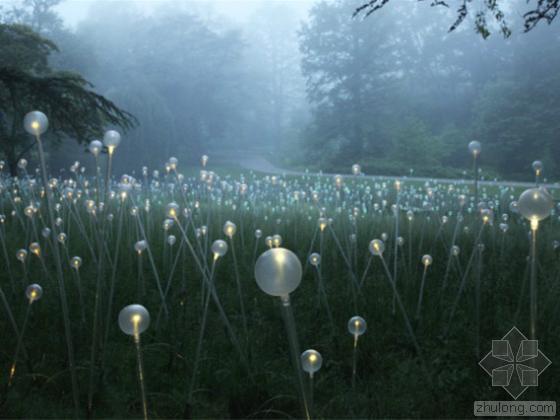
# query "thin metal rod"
(294, 350)
(140, 365)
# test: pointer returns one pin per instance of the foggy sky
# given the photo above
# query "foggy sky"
(74, 11)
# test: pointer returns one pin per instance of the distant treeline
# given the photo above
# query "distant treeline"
(394, 92)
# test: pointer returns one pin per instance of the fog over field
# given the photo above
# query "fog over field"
(262, 209)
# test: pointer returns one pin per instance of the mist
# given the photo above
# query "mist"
(279, 209)
(307, 85)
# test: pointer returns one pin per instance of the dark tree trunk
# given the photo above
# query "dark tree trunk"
(11, 160)
(12, 166)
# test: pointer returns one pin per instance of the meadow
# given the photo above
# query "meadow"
(435, 274)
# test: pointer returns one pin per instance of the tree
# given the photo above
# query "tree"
(541, 10)
(176, 73)
(27, 82)
(275, 88)
(403, 93)
(37, 14)
(363, 79)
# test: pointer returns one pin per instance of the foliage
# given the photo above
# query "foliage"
(404, 91)
(28, 83)
(390, 381)
(540, 10)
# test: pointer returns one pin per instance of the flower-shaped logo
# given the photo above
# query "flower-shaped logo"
(515, 363)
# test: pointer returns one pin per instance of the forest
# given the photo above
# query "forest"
(319, 88)
(314, 209)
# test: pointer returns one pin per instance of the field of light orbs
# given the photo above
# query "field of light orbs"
(254, 295)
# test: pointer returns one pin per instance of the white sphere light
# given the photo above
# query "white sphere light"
(33, 292)
(21, 255)
(111, 140)
(268, 241)
(315, 259)
(357, 326)
(35, 248)
(229, 229)
(427, 260)
(22, 163)
(376, 247)
(535, 204)
(95, 147)
(35, 123)
(219, 248)
(172, 210)
(278, 272)
(311, 361)
(475, 148)
(61, 238)
(140, 246)
(276, 240)
(134, 319)
(537, 166)
(455, 250)
(76, 263)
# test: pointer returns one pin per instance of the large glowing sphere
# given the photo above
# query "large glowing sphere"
(35, 123)
(535, 204)
(134, 319)
(278, 272)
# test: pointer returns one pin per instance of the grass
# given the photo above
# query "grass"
(391, 381)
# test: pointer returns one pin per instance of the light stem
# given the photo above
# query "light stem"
(140, 366)
(61, 286)
(294, 349)
(533, 281)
